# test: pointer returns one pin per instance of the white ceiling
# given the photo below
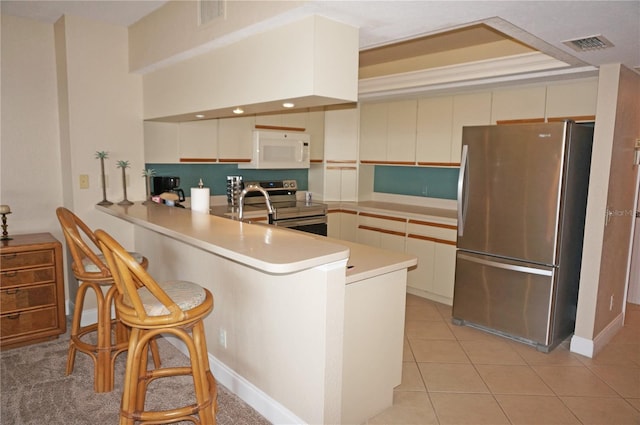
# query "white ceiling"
(545, 23)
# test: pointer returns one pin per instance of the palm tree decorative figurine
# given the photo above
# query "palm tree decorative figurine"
(102, 155)
(147, 174)
(124, 165)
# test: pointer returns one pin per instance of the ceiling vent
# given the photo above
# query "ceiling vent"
(585, 44)
(210, 10)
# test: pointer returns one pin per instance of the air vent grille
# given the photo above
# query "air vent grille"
(585, 44)
(211, 10)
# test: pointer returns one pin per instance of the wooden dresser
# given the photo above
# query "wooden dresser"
(31, 290)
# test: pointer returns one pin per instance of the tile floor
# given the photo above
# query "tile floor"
(460, 375)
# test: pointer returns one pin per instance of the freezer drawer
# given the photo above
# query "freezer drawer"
(506, 296)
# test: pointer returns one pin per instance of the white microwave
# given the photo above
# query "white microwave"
(277, 149)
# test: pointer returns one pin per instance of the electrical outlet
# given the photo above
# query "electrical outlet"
(84, 181)
(222, 338)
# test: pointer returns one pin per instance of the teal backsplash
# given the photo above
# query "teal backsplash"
(430, 182)
(214, 176)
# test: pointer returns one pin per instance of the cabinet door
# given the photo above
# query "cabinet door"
(348, 226)
(235, 139)
(315, 127)
(401, 131)
(373, 132)
(160, 142)
(572, 99)
(468, 109)
(518, 104)
(433, 132)
(444, 267)
(198, 140)
(333, 224)
(341, 183)
(341, 134)
(421, 277)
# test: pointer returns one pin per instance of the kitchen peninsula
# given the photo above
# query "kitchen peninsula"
(305, 329)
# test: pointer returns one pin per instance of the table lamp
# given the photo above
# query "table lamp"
(4, 210)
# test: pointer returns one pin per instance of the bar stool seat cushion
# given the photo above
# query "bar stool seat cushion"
(186, 295)
(90, 267)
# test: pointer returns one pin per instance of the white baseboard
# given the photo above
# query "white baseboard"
(590, 348)
(273, 411)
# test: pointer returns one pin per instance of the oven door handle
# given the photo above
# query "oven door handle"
(295, 222)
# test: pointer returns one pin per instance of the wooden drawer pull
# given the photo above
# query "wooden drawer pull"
(9, 256)
(12, 291)
(12, 273)
(13, 316)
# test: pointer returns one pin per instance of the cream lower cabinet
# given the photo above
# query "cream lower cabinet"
(342, 225)
(381, 231)
(434, 245)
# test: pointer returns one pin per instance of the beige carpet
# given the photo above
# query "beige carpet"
(35, 390)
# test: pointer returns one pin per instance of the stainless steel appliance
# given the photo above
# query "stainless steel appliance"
(522, 195)
(288, 212)
(162, 184)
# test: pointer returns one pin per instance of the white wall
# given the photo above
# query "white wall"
(67, 93)
(30, 172)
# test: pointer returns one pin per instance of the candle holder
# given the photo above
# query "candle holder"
(147, 174)
(5, 234)
(102, 156)
(124, 165)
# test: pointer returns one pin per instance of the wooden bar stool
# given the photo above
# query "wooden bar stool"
(92, 273)
(177, 308)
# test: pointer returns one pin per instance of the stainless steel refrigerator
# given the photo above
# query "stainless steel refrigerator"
(522, 194)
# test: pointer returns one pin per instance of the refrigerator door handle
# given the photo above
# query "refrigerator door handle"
(512, 267)
(462, 194)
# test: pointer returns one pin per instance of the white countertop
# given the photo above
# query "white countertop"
(264, 247)
(447, 216)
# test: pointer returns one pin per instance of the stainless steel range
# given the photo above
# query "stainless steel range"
(288, 212)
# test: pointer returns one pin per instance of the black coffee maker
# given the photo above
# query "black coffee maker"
(167, 184)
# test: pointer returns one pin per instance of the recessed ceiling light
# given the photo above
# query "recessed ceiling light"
(288, 105)
(238, 111)
(199, 116)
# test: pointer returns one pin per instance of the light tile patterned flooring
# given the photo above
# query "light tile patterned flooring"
(460, 375)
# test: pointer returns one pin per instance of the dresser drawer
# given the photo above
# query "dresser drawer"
(27, 277)
(26, 259)
(28, 322)
(26, 297)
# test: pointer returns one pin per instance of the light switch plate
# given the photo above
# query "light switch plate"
(84, 181)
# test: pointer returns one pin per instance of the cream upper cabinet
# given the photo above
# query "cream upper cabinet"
(388, 132)
(198, 141)
(296, 120)
(434, 130)
(526, 103)
(373, 131)
(235, 139)
(468, 109)
(572, 99)
(341, 134)
(315, 127)
(160, 142)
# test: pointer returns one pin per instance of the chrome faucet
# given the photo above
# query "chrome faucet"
(267, 200)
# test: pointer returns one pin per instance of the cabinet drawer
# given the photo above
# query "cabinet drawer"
(27, 322)
(27, 297)
(27, 277)
(26, 259)
(442, 233)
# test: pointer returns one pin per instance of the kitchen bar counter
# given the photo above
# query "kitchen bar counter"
(299, 319)
(263, 247)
